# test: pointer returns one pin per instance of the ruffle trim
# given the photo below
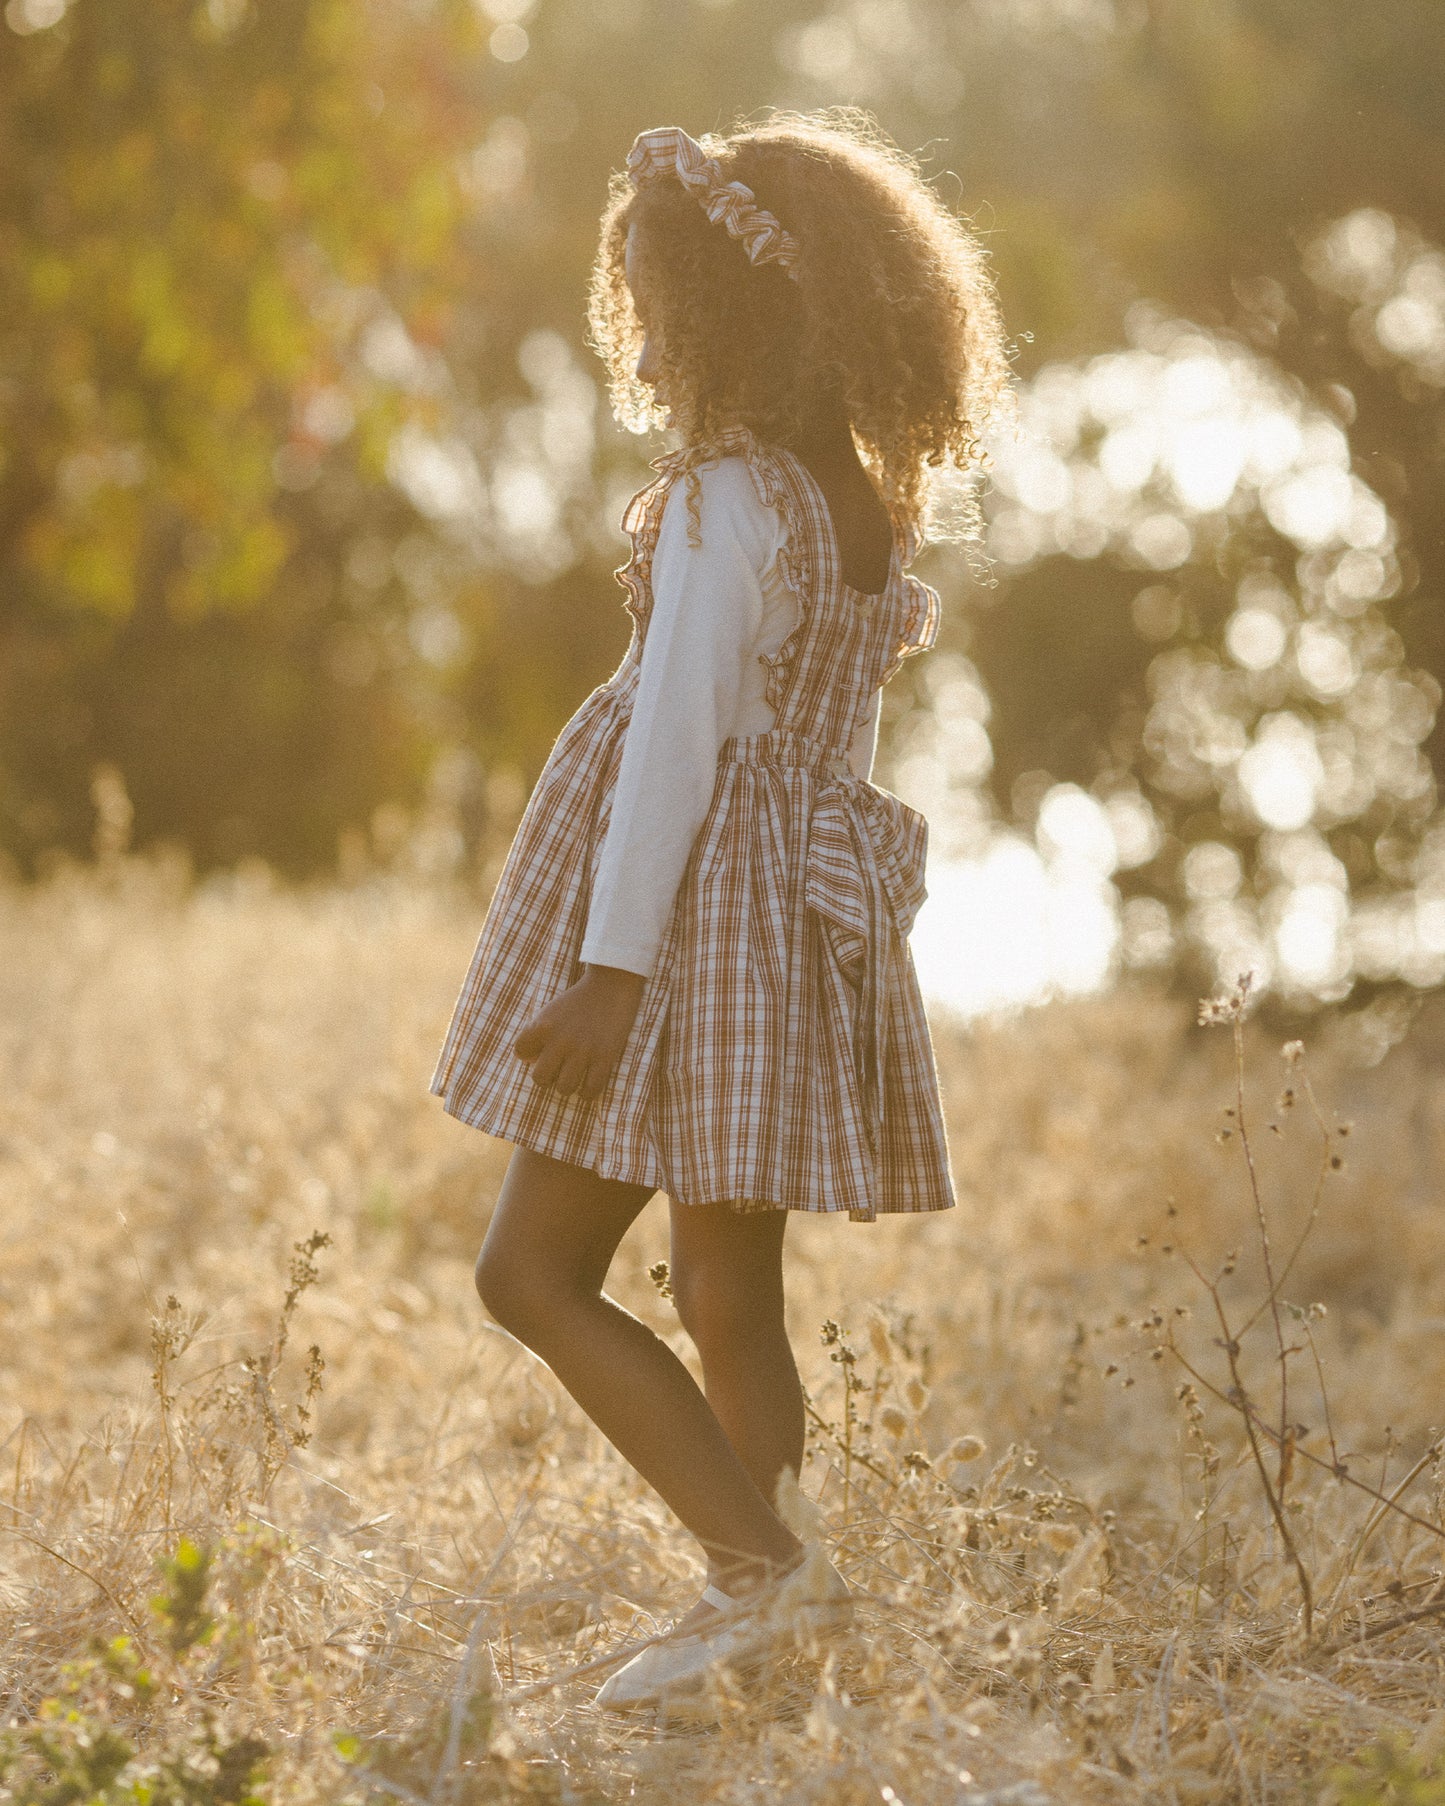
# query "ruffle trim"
(795, 556)
(642, 522)
(920, 625)
(776, 487)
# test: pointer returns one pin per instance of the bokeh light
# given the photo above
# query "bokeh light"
(1303, 720)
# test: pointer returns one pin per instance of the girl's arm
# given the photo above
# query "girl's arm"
(707, 607)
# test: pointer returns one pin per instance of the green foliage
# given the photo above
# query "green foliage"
(92, 1742)
(1388, 1774)
(182, 1607)
(205, 210)
(187, 201)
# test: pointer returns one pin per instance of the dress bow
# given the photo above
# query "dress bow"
(864, 879)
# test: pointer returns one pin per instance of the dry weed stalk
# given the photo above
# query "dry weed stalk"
(1270, 1421)
(415, 1604)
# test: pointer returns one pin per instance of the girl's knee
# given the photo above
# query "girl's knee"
(492, 1281)
(516, 1291)
(722, 1303)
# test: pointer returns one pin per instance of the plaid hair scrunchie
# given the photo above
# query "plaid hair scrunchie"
(668, 150)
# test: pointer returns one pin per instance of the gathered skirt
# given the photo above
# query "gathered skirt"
(780, 1057)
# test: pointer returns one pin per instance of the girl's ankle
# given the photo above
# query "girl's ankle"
(738, 1579)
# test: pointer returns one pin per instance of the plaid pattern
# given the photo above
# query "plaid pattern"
(781, 1055)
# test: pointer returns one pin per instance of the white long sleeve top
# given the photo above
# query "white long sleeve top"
(718, 609)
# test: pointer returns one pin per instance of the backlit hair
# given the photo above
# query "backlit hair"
(893, 313)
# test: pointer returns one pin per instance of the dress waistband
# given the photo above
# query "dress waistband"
(786, 746)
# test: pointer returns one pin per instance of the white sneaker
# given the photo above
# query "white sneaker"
(811, 1598)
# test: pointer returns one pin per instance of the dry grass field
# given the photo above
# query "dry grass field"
(283, 1518)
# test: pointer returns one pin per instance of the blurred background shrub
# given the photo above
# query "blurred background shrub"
(309, 497)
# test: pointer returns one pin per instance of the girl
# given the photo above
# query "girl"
(694, 975)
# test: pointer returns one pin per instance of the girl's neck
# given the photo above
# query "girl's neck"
(862, 528)
(826, 442)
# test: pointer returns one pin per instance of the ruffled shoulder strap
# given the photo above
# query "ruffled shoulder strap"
(919, 614)
(809, 563)
(642, 522)
(805, 558)
(806, 563)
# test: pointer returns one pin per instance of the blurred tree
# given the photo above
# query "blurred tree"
(1274, 172)
(306, 478)
(231, 233)
(301, 478)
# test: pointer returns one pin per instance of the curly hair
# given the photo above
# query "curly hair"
(893, 317)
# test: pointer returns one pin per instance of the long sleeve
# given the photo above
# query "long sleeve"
(707, 606)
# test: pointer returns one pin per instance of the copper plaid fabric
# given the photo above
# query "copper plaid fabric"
(780, 1057)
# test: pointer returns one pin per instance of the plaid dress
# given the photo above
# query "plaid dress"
(780, 1057)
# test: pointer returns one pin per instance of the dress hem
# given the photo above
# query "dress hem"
(537, 1144)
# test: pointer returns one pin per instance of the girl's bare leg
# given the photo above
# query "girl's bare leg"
(727, 1278)
(540, 1274)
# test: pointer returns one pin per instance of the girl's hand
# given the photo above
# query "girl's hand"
(574, 1044)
